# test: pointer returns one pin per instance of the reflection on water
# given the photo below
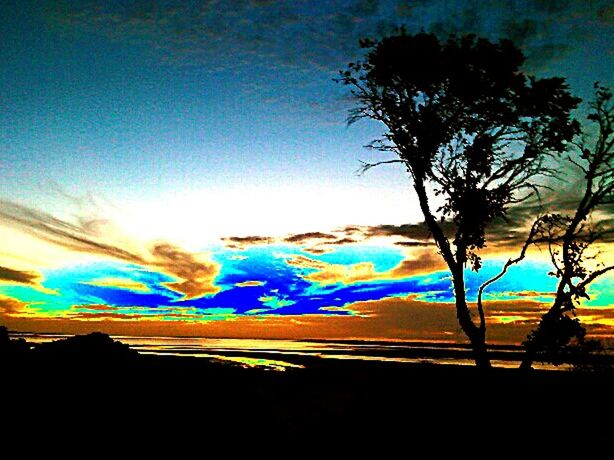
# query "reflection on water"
(295, 354)
(246, 362)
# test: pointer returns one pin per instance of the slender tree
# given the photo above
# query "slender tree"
(472, 130)
(573, 240)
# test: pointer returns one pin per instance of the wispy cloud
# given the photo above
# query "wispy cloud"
(195, 275)
(294, 40)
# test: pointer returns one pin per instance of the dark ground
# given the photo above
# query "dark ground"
(347, 403)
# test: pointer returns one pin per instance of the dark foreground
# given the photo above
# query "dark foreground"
(351, 404)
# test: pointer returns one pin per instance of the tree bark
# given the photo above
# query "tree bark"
(476, 335)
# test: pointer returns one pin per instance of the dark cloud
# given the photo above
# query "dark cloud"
(303, 42)
(242, 242)
(342, 241)
(309, 237)
(508, 231)
(414, 244)
(311, 242)
(20, 277)
(414, 235)
(419, 264)
(316, 250)
(546, 30)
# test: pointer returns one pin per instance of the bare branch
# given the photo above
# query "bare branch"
(578, 165)
(593, 276)
(364, 166)
(530, 240)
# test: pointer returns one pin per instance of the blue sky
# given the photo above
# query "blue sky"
(173, 124)
(159, 100)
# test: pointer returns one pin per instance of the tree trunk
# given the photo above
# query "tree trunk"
(476, 335)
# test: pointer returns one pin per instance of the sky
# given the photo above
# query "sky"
(185, 167)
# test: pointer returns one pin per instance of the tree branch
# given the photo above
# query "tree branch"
(593, 276)
(508, 264)
(365, 166)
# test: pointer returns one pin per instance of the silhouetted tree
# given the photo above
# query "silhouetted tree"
(472, 130)
(572, 239)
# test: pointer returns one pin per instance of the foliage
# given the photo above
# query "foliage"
(462, 116)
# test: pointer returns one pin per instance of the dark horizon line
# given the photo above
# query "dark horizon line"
(440, 343)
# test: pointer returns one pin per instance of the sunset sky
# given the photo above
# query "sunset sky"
(185, 168)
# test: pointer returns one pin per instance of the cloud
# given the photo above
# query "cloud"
(414, 244)
(343, 241)
(120, 283)
(11, 306)
(303, 44)
(502, 234)
(81, 237)
(318, 242)
(405, 318)
(421, 263)
(20, 277)
(301, 238)
(250, 283)
(105, 312)
(95, 307)
(417, 263)
(312, 242)
(197, 277)
(242, 242)
(547, 31)
(97, 237)
(529, 294)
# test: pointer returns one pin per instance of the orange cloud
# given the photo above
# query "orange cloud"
(97, 307)
(509, 321)
(196, 276)
(250, 283)
(11, 306)
(529, 294)
(420, 262)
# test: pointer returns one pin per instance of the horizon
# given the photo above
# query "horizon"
(186, 168)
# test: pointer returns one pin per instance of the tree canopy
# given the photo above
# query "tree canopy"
(469, 126)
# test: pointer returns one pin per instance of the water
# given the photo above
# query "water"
(280, 355)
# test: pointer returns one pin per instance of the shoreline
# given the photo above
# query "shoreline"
(342, 400)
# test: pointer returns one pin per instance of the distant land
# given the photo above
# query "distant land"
(385, 399)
